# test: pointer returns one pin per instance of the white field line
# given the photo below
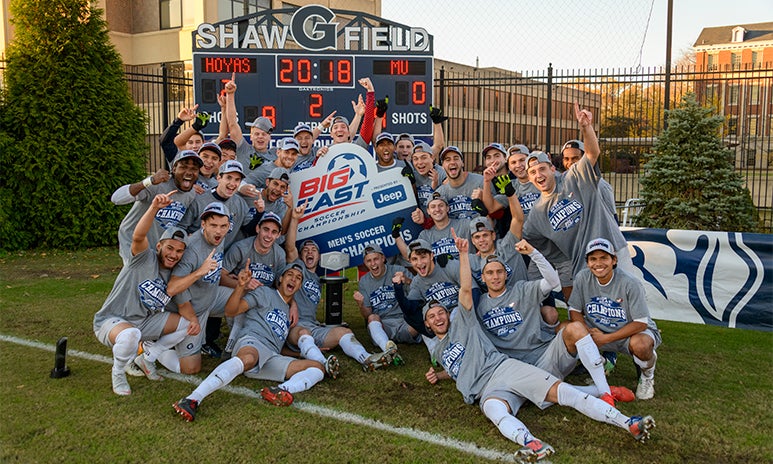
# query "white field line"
(466, 447)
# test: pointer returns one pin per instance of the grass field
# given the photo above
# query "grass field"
(712, 402)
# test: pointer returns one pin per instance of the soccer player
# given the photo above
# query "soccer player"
(378, 305)
(267, 322)
(185, 171)
(460, 186)
(611, 304)
(499, 383)
(135, 308)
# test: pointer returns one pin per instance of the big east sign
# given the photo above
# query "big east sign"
(313, 28)
(349, 203)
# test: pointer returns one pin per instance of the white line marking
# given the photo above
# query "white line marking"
(466, 447)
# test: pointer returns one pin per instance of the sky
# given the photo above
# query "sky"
(524, 35)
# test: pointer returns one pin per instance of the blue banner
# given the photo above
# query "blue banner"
(717, 278)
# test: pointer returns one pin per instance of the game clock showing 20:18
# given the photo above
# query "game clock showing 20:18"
(293, 88)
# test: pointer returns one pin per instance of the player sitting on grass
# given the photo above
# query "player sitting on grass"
(500, 383)
(266, 325)
(611, 304)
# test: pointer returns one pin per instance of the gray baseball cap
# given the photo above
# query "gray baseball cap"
(516, 149)
(371, 247)
(279, 174)
(479, 224)
(231, 166)
(175, 233)
(271, 216)
(419, 244)
(289, 143)
(600, 244)
(384, 136)
(261, 123)
(422, 147)
(450, 150)
(431, 304)
(188, 154)
(539, 156)
(214, 208)
(573, 144)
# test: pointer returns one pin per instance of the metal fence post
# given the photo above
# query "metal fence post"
(549, 110)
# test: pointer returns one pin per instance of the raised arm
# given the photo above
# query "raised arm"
(465, 274)
(236, 304)
(591, 142)
(438, 138)
(140, 235)
(234, 130)
(291, 249)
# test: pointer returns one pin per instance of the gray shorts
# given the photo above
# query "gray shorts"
(514, 380)
(397, 331)
(564, 269)
(621, 346)
(191, 344)
(556, 359)
(271, 365)
(152, 327)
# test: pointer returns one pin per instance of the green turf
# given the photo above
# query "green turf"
(712, 395)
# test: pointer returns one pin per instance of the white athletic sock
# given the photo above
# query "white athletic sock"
(165, 342)
(590, 406)
(377, 334)
(588, 389)
(223, 374)
(170, 360)
(509, 425)
(236, 326)
(125, 347)
(353, 348)
(303, 380)
(593, 361)
(309, 349)
(647, 367)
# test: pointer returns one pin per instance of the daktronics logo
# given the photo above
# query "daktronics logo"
(343, 185)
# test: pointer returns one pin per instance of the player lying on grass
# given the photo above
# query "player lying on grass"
(502, 384)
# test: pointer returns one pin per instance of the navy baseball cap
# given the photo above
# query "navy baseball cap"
(175, 233)
(271, 216)
(494, 146)
(213, 147)
(384, 136)
(449, 150)
(573, 144)
(302, 127)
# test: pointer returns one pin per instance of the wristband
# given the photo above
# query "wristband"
(147, 182)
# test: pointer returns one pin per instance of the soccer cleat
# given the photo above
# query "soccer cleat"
(646, 388)
(332, 367)
(391, 351)
(211, 350)
(133, 370)
(607, 398)
(534, 450)
(622, 394)
(376, 361)
(640, 427)
(120, 384)
(148, 368)
(277, 396)
(187, 408)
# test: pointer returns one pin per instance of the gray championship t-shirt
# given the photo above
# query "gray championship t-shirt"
(268, 318)
(460, 198)
(379, 293)
(202, 293)
(262, 266)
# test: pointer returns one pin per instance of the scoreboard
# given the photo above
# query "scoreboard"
(291, 85)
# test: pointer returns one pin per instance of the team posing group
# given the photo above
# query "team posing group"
(215, 236)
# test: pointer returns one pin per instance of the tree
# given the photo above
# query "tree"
(69, 131)
(689, 182)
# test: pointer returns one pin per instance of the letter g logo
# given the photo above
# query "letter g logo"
(321, 34)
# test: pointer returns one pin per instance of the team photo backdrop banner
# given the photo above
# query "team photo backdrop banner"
(349, 203)
(717, 278)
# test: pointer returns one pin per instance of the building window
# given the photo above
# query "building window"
(732, 94)
(732, 125)
(751, 157)
(752, 126)
(171, 14)
(228, 9)
(735, 60)
(712, 62)
(738, 34)
(754, 94)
